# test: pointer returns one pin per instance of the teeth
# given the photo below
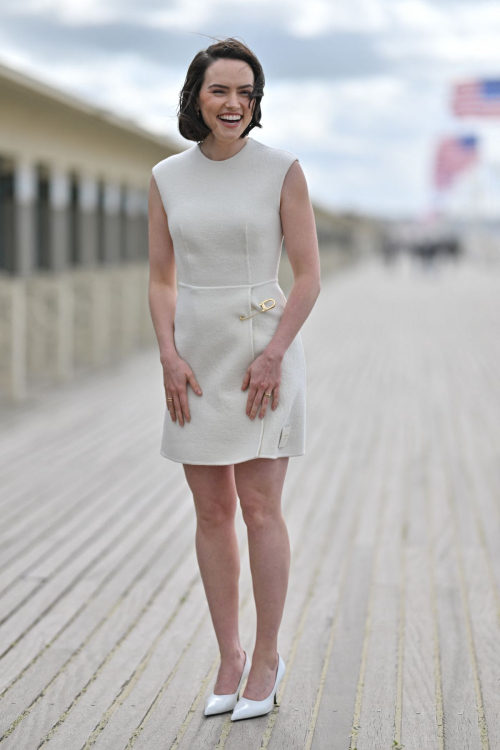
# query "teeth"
(229, 118)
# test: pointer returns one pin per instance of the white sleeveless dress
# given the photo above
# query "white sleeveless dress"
(225, 225)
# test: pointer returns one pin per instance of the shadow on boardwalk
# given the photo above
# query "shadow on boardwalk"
(391, 627)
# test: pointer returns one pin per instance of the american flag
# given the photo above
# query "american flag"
(480, 98)
(453, 156)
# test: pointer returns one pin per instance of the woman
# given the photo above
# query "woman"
(217, 215)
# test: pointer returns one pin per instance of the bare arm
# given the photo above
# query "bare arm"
(162, 302)
(299, 229)
(162, 274)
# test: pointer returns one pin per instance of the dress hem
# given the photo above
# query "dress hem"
(229, 463)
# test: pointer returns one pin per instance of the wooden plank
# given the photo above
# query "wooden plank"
(478, 586)
(458, 668)
(335, 716)
(422, 703)
(377, 714)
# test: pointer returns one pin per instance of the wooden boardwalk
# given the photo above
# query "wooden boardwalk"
(390, 633)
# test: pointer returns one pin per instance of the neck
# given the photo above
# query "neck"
(216, 150)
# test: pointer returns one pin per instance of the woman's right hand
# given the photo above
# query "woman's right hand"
(176, 374)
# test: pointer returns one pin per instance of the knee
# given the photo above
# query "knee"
(256, 510)
(215, 510)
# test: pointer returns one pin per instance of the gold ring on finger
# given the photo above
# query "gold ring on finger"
(267, 394)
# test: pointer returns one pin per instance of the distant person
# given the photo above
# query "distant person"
(217, 215)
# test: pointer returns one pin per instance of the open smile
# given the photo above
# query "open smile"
(230, 121)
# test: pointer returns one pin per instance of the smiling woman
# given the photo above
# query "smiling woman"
(218, 214)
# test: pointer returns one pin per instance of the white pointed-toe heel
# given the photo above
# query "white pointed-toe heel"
(246, 708)
(218, 704)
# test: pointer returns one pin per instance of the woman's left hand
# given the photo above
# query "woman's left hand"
(263, 376)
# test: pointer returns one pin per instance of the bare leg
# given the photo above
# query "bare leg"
(214, 494)
(259, 484)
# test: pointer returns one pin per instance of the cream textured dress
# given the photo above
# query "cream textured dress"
(225, 224)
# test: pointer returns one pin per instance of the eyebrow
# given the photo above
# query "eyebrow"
(221, 86)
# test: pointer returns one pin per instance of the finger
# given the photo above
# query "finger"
(251, 398)
(257, 402)
(194, 383)
(276, 396)
(265, 404)
(178, 409)
(184, 405)
(246, 380)
(170, 406)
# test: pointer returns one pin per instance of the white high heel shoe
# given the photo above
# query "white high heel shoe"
(218, 704)
(246, 708)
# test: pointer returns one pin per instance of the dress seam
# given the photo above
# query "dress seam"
(228, 286)
(253, 358)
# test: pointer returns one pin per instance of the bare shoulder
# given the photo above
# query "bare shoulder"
(157, 212)
(294, 189)
(295, 174)
(153, 185)
(155, 199)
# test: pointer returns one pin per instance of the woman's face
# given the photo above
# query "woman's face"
(226, 90)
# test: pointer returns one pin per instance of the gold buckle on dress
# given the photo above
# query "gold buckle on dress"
(263, 306)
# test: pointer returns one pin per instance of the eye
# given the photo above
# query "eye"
(219, 91)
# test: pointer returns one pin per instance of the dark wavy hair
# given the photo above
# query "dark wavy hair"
(193, 127)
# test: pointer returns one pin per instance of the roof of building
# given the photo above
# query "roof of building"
(12, 77)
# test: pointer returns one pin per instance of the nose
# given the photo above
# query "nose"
(232, 101)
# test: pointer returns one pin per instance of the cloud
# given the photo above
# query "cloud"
(359, 89)
(343, 55)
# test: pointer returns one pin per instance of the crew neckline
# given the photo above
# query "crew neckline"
(222, 161)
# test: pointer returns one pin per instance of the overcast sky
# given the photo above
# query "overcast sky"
(358, 89)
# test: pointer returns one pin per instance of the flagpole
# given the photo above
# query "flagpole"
(475, 212)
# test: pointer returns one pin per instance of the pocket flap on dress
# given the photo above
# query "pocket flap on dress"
(285, 431)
